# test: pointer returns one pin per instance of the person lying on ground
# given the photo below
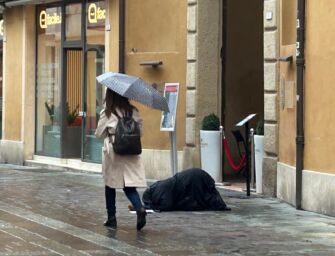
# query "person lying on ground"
(189, 190)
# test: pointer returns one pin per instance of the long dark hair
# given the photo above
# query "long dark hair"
(114, 101)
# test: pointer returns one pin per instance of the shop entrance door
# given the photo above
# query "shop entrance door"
(83, 103)
(242, 71)
(82, 96)
(73, 103)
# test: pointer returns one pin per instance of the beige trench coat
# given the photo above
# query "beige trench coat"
(119, 171)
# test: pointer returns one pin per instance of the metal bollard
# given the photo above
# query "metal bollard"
(252, 154)
(221, 153)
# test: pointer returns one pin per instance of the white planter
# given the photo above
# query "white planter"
(210, 142)
(259, 154)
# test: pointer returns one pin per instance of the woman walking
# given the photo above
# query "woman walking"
(120, 171)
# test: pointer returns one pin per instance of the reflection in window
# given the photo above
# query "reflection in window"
(73, 22)
(48, 84)
(95, 22)
(95, 66)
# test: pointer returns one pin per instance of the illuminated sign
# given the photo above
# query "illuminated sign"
(95, 13)
(1, 28)
(46, 19)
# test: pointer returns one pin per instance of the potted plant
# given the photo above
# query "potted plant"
(259, 154)
(71, 115)
(210, 143)
(72, 132)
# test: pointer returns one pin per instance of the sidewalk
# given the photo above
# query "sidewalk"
(50, 212)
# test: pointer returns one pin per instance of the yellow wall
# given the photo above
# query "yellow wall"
(319, 82)
(158, 35)
(287, 77)
(287, 116)
(112, 37)
(319, 86)
(13, 74)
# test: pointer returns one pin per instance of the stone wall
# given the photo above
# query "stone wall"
(271, 69)
(203, 72)
(191, 158)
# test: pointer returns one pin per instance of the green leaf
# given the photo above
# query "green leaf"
(211, 122)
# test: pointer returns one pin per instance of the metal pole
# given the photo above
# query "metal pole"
(174, 163)
(221, 152)
(252, 153)
(247, 166)
(300, 53)
(175, 152)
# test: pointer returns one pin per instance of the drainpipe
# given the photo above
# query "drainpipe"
(122, 14)
(300, 54)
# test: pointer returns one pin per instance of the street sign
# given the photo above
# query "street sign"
(168, 120)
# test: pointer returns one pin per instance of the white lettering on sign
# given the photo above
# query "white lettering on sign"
(46, 19)
(95, 13)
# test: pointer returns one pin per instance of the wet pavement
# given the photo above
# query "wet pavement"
(46, 212)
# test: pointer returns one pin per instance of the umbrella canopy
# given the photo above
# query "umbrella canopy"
(134, 88)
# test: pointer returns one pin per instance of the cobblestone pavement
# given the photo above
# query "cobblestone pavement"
(45, 212)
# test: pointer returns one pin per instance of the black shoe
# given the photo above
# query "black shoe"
(141, 220)
(111, 222)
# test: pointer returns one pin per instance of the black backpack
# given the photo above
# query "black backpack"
(127, 137)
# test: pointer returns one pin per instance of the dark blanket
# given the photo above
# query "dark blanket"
(189, 190)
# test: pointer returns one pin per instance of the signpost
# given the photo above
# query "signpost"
(245, 122)
(168, 120)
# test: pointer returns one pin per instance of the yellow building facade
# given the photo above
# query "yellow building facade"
(231, 61)
(318, 169)
(53, 51)
(52, 54)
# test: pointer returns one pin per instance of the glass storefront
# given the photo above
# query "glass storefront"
(73, 22)
(1, 44)
(68, 97)
(48, 87)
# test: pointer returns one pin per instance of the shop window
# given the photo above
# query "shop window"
(48, 88)
(49, 74)
(95, 37)
(73, 22)
(95, 22)
(1, 43)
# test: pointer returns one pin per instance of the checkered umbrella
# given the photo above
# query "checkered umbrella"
(134, 88)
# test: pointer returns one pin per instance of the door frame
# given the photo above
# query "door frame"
(99, 49)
